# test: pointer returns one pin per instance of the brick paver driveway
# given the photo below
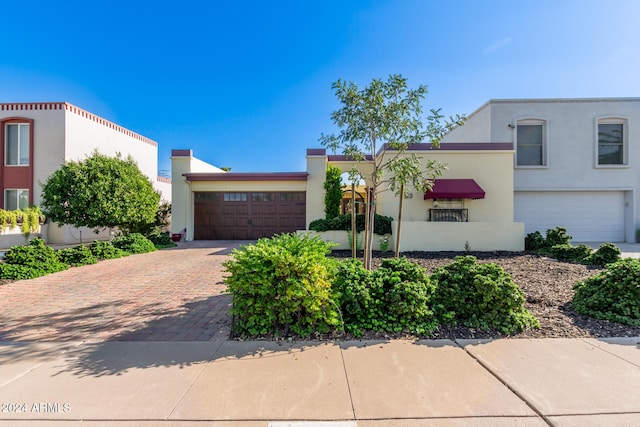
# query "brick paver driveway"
(169, 295)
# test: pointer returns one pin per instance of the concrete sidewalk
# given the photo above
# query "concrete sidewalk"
(508, 382)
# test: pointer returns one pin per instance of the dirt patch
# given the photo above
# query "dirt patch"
(548, 288)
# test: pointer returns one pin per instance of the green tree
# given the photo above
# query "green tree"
(384, 117)
(332, 192)
(100, 192)
(409, 172)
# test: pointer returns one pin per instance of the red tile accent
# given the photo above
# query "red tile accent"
(76, 110)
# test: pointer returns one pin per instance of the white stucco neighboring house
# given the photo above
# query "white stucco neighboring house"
(576, 162)
(38, 137)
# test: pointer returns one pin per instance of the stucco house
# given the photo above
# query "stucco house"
(473, 203)
(38, 137)
(516, 166)
(576, 162)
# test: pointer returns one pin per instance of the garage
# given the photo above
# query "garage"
(247, 215)
(588, 216)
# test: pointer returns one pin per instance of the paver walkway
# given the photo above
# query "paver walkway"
(168, 295)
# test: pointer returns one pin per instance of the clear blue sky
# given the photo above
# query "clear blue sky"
(247, 84)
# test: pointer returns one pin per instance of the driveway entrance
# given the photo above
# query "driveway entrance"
(169, 295)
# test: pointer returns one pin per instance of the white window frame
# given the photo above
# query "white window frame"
(20, 126)
(537, 121)
(17, 190)
(625, 141)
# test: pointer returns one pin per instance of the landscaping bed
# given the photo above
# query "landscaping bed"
(547, 285)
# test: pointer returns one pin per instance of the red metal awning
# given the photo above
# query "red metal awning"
(455, 189)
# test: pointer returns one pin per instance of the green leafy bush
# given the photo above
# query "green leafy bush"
(557, 245)
(134, 243)
(382, 224)
(613, 294)
(282, 285)
(534, 241)
(36, 257)
(160, 239)
(19, 272)
(357, 290)
(105, 250)
(393, 298)
(557, 236)
(607, 253)
(566, 252)
(76, 257)
(479, 296)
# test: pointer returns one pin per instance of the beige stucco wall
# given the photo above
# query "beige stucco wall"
(490, 225)
(492, 170)
(452, 236)
(317, 170)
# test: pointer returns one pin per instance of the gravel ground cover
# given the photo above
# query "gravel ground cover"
(548, 288)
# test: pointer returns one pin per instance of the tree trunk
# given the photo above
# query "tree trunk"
(397, 249)
(369, 227)
(354, 236)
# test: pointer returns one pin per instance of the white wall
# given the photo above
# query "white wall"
(85, 132)
(571, 145)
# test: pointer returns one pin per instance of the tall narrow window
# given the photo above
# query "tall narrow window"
(17, 144)
(530, 143)
(16, 199)
(611, 142)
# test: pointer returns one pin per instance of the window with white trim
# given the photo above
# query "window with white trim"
(16, 146)
(16, 199)
(530, 143)
(612, 142)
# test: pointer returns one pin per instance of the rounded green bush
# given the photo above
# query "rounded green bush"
(105, 250)
(567, 252)
(480, 296)
(607, 253)
(613, 294)
(76, 257)
(393, 298)
(35, 256)
(134, 243)
(282, 285)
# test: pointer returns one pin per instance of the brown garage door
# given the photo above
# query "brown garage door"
(247, 215)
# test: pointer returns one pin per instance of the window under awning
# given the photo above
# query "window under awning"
(455, 189)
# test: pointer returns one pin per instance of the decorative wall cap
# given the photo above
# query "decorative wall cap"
(31, 106)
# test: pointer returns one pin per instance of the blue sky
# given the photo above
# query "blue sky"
(247, 84)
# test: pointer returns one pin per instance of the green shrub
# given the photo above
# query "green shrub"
(613, 294)
(160, 239)
(76, 257)
(105, 250)
(37, 257)
(479, 296)
(282, 285)
(607, 253)
(394, 298)
(566, 252)
(19, 272)
(357, 290)
(557, 236)
(534, 241)
(382, 224)
(134, 243)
